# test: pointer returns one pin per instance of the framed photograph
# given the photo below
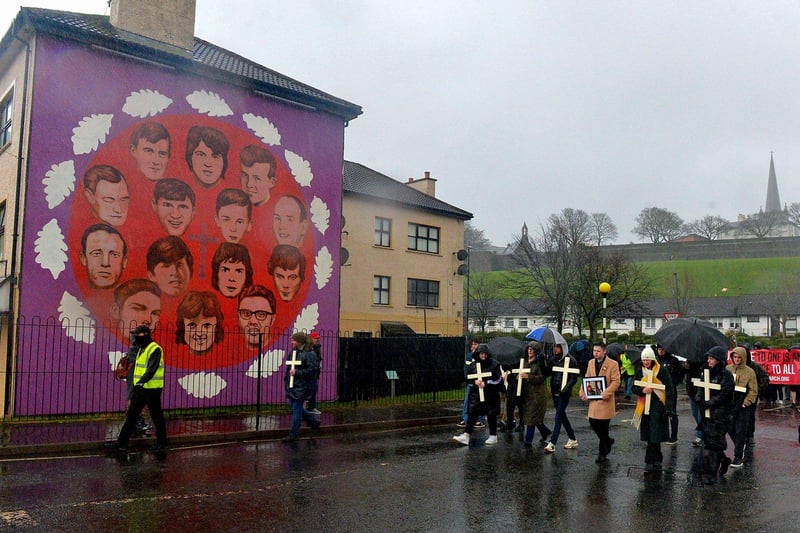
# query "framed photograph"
(593, 388)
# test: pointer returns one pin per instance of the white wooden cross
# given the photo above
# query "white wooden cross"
(566, 369)
(292, 363)
(479, 375)
(645, 382)
(706, 384)
(738, 388)
(520, 370)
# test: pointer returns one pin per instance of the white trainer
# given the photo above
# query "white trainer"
(492, 439)
(463, 439)
(549, 448)
(571, 444)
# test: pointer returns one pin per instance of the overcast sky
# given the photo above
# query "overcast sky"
(522, 108)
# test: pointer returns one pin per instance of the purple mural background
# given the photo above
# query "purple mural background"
(83, 101)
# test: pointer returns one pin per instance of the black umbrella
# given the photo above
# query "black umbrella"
(616, 348)
(690, 337)
(507, 350)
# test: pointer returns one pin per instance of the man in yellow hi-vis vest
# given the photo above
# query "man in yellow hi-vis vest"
(148, 382)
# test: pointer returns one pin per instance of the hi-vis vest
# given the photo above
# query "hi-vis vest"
(157, 381)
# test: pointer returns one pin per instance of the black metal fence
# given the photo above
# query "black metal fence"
(60, 378)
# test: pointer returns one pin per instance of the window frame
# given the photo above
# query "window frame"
(378, 291)
(429, 296)
(6, 118)
(381, 232)
(422, 234)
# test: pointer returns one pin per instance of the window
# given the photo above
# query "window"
(6, 114)
(753, 319)
(509, 323)
(2, 219)
(523, 322)
(383, 232)
(491, 323)
(380, 290)
(649, 323)
(423, 238)
(423, 293)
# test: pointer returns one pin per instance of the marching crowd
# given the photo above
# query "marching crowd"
(723, 398)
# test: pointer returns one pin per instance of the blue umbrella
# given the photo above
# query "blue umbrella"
(548, 335)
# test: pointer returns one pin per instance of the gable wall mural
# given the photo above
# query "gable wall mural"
(204, 210)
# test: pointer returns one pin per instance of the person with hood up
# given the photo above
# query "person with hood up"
(299, 381)
(148, 384)
(675, 368)
(561, 384)
(488, 380)
(720, 408)
(743, 402)
(653, 426)
(534, 389)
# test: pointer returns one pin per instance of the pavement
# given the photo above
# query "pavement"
(20, 440)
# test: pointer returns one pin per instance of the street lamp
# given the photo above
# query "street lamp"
(604, 289)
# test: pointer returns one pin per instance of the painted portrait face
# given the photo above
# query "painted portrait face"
(110, 202)
(256, 182)
(199, 333)
(231, 278)
(140, 308)
(207, 166)
(256, 316)
(151, 158)
(173, 215)
(286, 222)
(233, 222)
(104, 259)
(171, 278)
(287, 281)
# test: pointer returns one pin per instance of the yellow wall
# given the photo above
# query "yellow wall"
(366, 260)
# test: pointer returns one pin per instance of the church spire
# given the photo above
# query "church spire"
(773, 198)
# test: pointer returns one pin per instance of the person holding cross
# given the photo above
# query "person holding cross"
(653, 384)
(745, 394)
(484, 396)
(714, 397)
(301, 372)
(564, 374)
(602, 410)
(534, 386)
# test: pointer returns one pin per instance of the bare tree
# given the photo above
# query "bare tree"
(474, 237)
(793, 214)
(482, 292)
(710, 227)
(630, 284)
(761, 224)
(572, 226)
(658, 225)
(603, 229)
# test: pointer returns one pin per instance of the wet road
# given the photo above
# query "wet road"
(409, 481)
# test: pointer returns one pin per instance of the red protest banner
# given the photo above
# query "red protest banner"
(783, 366)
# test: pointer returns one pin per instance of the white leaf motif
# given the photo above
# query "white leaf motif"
(50, 248)
(202, 384)
(75, 319)
(270, 363)
(90, 132)
(323, 266)
(320, 214)
(307, 319)
(263, 128)
(114, 357)
(209, 103)
(59, 183)
(301, 169)
(145, 103)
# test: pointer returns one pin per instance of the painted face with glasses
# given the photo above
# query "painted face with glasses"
(256, 317)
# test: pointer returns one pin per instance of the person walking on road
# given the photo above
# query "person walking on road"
(651, 418)
(602, 410)
(148, 384)
(468, 368)
(717, 413)
(743, 402)
(484, 395)
(534, 386)
(675, 368)
(562, 381)
(301, 373)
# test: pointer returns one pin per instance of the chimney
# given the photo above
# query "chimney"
(426, 185)
(167, 21)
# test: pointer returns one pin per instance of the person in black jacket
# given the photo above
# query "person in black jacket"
(675, 369)
(490, 385)
(717, 414)
(299, 381)
(561, 385)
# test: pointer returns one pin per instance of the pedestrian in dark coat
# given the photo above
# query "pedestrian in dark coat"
(675, 368)
(535, 390)
(653, 426)
(299, 382)
(490, 384)
(720, 407)
(561, 385)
